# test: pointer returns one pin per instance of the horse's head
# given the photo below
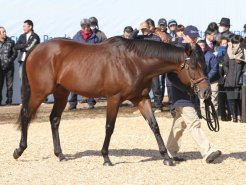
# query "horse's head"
(192, 71)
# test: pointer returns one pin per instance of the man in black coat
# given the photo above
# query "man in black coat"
(224, 29)
(8, 55)
(26, 42)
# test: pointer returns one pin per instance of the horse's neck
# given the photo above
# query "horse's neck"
(155, 67)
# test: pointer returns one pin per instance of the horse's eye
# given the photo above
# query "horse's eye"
(193, 67)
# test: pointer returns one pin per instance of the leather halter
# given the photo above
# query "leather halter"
(194, 82)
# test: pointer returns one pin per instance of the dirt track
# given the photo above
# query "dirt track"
(133, 151)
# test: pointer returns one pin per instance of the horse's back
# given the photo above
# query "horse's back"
(96, 69)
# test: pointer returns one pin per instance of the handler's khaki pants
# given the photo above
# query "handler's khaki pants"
(186, 117)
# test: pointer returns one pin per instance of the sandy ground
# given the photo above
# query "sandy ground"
(133, 150)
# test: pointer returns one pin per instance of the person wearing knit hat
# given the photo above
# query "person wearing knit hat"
(172, 25)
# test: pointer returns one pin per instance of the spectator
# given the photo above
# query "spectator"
(186, 114)
(223, 106)
(212, 72)
(162, 26)
(176, 41)
(95, 29)
(26, 42)
(148, 35)
(156, 31)
(243, 44)
(234, 68)
(213, 26)
(127, 31)
(179, 35)
(8, 55)
(224, 28)
(210, 39)
(180, 32)
(166, 39)
(172, 25)
(244, 34)
(85, 35)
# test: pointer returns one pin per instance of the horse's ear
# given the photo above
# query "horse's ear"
(188, 49)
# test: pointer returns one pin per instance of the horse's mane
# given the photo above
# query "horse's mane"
(199, 58)
(148, 48)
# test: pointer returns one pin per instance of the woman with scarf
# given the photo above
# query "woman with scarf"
(234, 66)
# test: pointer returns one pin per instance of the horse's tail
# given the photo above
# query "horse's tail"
(26, 114)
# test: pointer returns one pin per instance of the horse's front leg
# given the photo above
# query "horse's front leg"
(112, 110)
(147, 112)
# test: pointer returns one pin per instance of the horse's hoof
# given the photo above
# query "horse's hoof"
(16, 154)
(62, 158)
(168, 162)
(108, 163)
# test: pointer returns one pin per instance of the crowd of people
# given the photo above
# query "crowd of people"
(223, 51)
(224, 55)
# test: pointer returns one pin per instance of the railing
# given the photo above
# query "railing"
(243, 120)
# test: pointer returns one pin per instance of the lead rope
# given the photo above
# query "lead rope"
(212, 122)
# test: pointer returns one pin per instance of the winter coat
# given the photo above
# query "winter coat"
(26, 45)
(8, 54)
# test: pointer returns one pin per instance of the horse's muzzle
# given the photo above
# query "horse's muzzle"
(204, 94)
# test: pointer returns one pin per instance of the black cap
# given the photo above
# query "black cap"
(162, 21)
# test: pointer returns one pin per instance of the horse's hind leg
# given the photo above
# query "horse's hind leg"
(60, 97)
(27, 113)
(146, 110)
(112, 110)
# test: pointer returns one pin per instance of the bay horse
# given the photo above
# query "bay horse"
(118, 69)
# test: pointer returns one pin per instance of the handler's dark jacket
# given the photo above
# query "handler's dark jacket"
(8, 54)
(24, 46)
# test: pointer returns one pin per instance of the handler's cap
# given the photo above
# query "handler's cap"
(191, 31)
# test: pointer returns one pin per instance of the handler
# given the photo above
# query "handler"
(186, 114)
